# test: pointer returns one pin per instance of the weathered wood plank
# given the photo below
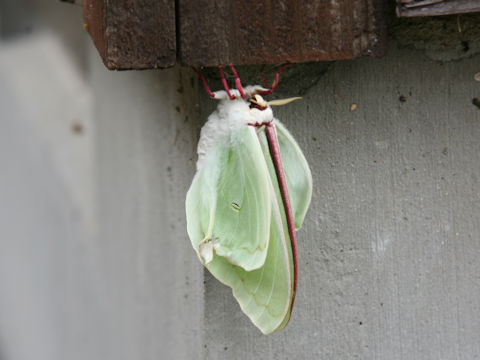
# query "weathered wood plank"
(94, 23)
(141, 34)
(254, 32)
(412, 8)
(133, 34)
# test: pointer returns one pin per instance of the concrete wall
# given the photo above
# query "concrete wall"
(95, 262)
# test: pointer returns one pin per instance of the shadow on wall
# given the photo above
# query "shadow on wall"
(24, 17)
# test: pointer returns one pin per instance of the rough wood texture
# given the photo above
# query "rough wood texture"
(93, 16)
(141, 34)
(138, 34)
(255, 32)
(412, 8)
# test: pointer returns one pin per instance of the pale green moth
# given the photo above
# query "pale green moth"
(237, 219)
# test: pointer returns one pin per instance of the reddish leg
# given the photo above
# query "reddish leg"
(275, 81)
(225, 84)
(238, 83)
(277, 76)
(204, 82)
(265, 82)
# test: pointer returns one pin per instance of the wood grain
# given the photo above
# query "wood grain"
(142, 34)
(256, 32)
(132, 34)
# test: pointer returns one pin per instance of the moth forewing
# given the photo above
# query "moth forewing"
(240, 236)
(232, 177)
(265, 294)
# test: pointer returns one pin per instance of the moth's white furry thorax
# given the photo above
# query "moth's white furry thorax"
(229, 115)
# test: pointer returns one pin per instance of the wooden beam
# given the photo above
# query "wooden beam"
(255, 32)
(142, 34)
(132, 34)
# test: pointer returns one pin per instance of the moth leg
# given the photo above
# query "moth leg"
(238, 83)
(225, 84)
(262, 75)
(204, 82)
(275, 81)
(277, 76)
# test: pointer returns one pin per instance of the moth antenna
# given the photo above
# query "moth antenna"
(225, 84)
(238, 83)
(204, 82)
(262, 75)
(275, 81)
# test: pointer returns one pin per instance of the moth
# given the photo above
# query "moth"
(250, 193)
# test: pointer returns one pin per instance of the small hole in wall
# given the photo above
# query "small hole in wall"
(77, 128)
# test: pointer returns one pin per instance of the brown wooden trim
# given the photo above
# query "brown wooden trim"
(255, 32)
(93, 16)
(133, 34)
(141, 34)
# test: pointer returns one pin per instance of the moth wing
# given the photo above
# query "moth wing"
(297, 172)
(284, 239)
(265, 294)
(228, 204)
(299, 183)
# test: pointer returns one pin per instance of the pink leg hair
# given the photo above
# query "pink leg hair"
(277, 76)
(204, 82)
(262, 75)
(238, 83)
(225, 84)
(275, 81)
(207, 88)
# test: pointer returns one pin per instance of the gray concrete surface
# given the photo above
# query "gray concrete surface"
(95, 262)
